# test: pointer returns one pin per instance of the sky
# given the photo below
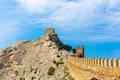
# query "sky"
(92, 23)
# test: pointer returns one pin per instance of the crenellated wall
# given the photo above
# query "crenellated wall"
(87, 68)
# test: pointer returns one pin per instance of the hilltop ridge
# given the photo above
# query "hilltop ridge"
(40, 59)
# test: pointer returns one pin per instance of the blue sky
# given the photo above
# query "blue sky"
(92, 23)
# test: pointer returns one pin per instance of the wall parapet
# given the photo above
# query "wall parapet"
(112, 63)
(102, 69)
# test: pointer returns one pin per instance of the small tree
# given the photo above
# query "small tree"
(74, 50)
(68, 47)
(51, 71)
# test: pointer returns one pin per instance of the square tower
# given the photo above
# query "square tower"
(50, 31)
(80, 51)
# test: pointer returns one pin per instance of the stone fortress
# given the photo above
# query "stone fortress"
(82, 68)
(88, 68)
(79, 67)
(51, 39)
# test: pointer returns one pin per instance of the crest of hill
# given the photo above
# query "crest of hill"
(31, 60)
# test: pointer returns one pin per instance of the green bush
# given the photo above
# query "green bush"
(58, 62)
(51, 71)
(67, 47)
(16, 73)
(54, 61)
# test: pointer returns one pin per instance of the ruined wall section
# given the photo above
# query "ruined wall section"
(50, 31)
(87, 68)
(80, 51)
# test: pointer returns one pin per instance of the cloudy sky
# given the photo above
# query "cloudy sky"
(92, 23)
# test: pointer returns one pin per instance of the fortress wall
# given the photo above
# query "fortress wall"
(114, 63)
(87, 68)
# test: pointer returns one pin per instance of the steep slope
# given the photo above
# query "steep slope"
(41, 59)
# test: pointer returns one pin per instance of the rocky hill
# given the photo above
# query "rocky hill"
(40, 59)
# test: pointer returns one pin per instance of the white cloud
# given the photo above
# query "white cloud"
(9, 33)
(96, 20)
(40, 6)
(72, 11)
(75, 21)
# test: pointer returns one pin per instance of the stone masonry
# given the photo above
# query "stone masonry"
(80, 51)
(50, 31)
(88, 68)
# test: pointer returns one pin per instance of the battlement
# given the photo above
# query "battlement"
(115, 63)
(102, 69)
(50, 31)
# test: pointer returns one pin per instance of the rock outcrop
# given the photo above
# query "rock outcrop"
(40, 59)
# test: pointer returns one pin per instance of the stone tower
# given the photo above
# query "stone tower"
(80, 51)
(50, 31)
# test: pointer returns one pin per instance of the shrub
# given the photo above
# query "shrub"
(1, 65)
(54, 61)
(16, 73)
(51, 71)
(74, 50)
(67, 47)
(57, 63)
(58, 56)
(22, 78)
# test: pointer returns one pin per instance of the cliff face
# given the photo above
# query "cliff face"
(40, 59)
